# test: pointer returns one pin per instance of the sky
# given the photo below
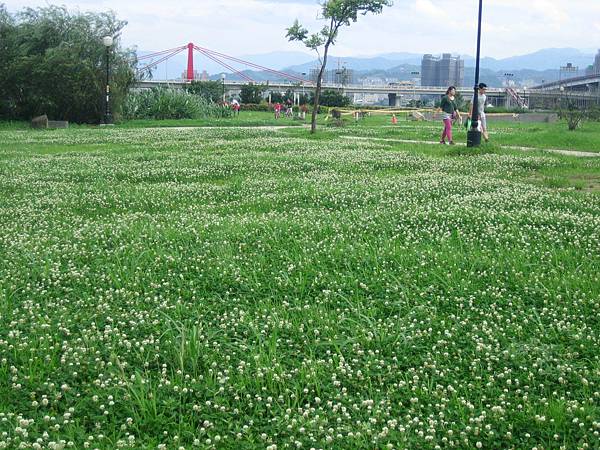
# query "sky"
(249, 27)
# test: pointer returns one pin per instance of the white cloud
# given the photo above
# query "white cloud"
(427, 8)
(428, 26)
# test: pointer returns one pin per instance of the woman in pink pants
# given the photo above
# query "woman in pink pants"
(450, 111)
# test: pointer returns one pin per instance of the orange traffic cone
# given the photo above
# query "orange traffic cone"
(394, 119)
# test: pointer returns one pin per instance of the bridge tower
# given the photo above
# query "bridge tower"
(190, 62)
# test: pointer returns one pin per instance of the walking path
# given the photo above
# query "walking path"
(579, 154)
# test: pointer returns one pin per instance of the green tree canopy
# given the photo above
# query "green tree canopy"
(53, 62)
(333, 98)
(251, 93)
(211, 91)
(337, 13)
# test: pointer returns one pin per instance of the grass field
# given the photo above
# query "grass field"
(258, 288)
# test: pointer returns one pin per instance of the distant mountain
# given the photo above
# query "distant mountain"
(279, 60)
(535, 67)
(333, 62)
(546, 59)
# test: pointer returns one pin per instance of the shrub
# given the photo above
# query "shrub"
(211, 91)
(264, 107)
(574, 114)
(165, 103)
(252, 93)
(332, 98)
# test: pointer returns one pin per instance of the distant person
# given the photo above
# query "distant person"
(277, 109)
(235, 105)
(480, 115)
(303, 111)
(289, 111)
(450, 113)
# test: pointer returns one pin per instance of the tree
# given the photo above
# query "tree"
(337, 13)
(53, 62)
(303, 99)
(7, 54)
(460, 102)
(574, 113)
(251, 93)
(289, 95)
(276, 97)
(211, 91)
(333, 99)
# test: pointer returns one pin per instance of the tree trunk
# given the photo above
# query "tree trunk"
(313, 123)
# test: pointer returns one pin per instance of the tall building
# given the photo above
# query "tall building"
(445, 71)
(342, 76)
(597, 63)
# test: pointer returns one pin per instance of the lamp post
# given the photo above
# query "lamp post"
(108, 42)
(474, 135)
(223, 86)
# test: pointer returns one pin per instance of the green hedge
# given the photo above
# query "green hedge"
(263, 107)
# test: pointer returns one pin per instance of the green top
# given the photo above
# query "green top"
(447, 105)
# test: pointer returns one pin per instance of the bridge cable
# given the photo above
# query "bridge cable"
(247, 63)
(227, 66)
(155, 63)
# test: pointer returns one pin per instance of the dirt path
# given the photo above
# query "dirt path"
(579, 154)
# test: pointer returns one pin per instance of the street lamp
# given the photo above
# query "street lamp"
(108, 42)
(474, 135)
(223, 85)
(562, 95)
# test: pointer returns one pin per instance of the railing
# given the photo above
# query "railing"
(521, 102)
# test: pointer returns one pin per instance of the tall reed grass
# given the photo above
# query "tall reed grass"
(168, 103)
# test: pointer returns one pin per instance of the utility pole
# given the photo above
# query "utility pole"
(108, 42)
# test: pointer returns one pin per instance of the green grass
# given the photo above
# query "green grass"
(536, 135)
(245, 119)
(245, 288)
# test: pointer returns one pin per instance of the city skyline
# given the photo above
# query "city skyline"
(245, 27)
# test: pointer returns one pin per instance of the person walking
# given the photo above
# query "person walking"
(480, 115)
(450, 112)
(235, 105)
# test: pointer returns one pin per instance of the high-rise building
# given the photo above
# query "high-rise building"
(341, 76)
(597, 63)
(445, 71)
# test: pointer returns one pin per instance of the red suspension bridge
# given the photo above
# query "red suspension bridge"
(152, 60)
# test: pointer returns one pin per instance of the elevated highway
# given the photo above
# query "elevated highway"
(588, 82)
(394, 91)
(399, 89)
(537, 97)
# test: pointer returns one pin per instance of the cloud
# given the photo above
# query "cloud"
(427, 8)
(422, 26)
